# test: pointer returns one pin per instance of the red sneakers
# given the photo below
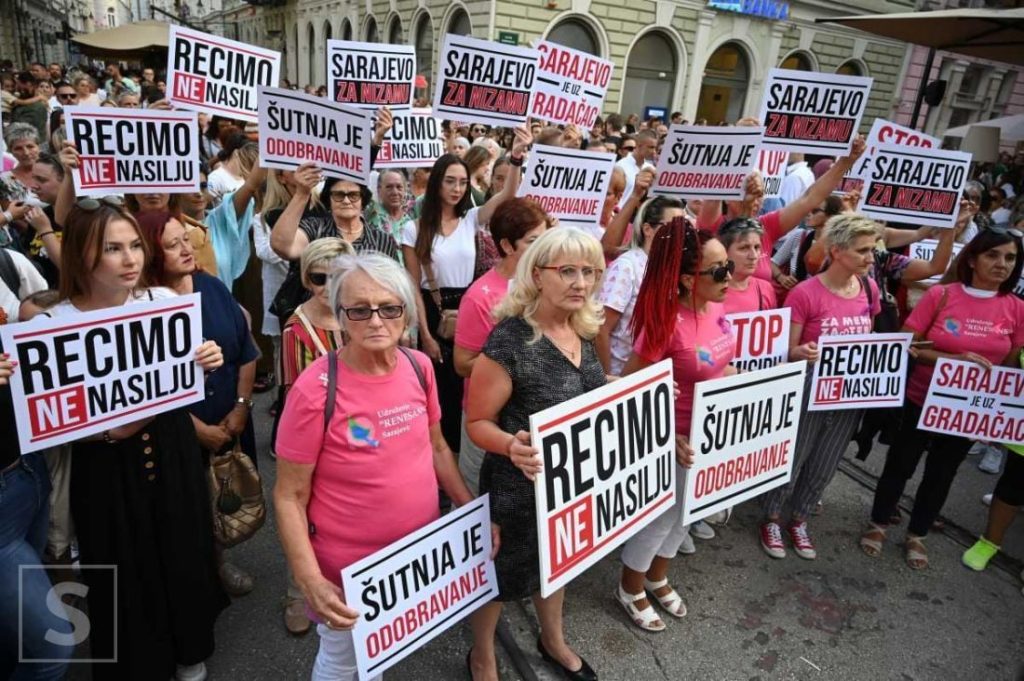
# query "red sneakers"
(771, 540)
(802, 543)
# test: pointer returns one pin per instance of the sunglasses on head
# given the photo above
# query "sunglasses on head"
(90, 204)
(317, 278)
(719, 273)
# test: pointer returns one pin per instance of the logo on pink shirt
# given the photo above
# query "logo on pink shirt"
(360, 432)
(952, 326)
(704, 355)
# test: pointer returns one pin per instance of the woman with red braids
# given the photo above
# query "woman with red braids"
(678, 315)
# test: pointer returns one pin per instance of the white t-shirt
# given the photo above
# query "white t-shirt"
(799, 177)
(453, 257)
(1001, 216)
(630, 169)
(221, 182)
(31, 282)
(619, 290)
(65, 308)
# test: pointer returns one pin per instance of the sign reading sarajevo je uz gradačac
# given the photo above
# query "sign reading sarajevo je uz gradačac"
(969, 401)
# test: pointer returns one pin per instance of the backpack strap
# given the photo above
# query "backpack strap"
(415, 366)
(867, 292)
(9, 273)
(332, 387)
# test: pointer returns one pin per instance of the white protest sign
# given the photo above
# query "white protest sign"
(860, 371)
(743, 437)
(817, 113)
(484, 82)
(925, 250)
(920, 186)
(1018, 290)
(609, 469)
(700, 162)
(133, 150)
(569, 184)
(570, 85)
(772, 164)
(419, 586)
(82, 374)
(415, 140)
(887, 132)
(296, 128)
(217, 76)
(371, 75)
(979, 404)
(762, 338)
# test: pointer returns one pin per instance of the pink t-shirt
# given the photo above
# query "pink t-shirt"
(374, 480)
(759, 295)
(772, 233)
(823, 313)
(474, 323)
(700, 348)
(990, 327)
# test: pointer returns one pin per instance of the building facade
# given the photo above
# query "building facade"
(38, 30)
(706, 59)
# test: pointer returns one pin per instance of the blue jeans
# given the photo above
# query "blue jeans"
(24, 516)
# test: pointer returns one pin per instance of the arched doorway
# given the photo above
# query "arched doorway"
(650, 74)
(346, 30)
(459, 24)
(724, 88)
(577, 35)
(797, 61)
(850, 68)
(371, 30)
(424, 41)
(395, 31)
(312, 54)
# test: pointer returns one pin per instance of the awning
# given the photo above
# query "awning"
(1011, 128)
(134, 39)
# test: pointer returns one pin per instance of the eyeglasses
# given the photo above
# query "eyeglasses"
(203, 186)
(719, 273)
(351, 197)
(363, 314)
(628, 148)
(317, 278)
(90, 204)
(479, 129)
(1012, 231)
(570, 274)
(66, 95)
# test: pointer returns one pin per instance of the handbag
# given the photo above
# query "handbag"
(291, 294)
(236, 494)
(446, 325)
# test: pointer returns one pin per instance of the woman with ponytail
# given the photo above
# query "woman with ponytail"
(679, 316)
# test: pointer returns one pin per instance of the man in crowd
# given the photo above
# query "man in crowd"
(798, 178)
(34, 113)
(118, 82)
(66, 94)
(56, 72)
(646, 146)
(39, 71)
(391, 209)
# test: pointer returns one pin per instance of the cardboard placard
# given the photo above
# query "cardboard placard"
(484, 82)
(773, 165)
(925, 250)
(980, 404)
(887, 132)
(216, 75)
(922, 187)
(296, 128)
(570, 85)
(860, 371)
(82, 374)
(569, 184)
(699, 162)
(371, 75)
(419, 586)
(133, 150)
(743, 437)
(415, 140)
(817, 113)
(609, 469)
(762, 338)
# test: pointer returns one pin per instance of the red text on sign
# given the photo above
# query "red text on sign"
(570, 532)
(55, 411)
(829, 390)
(189, 88)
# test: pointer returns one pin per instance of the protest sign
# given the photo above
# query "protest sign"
(925, 250)
(818, 113)
(371, 75)
(772, 164)
(860, 371)
(133, 150)
(296, 128)
(887, 132)
(920, 186)
(743, 437)
(699, 162)
(419, 586)
(484, 82)
(569, 184)
(415, 140)
(1018, 290)
(609, 469)
(570, 85)
(979, 404)
(217, 76)
(83, 374)
(762, 338)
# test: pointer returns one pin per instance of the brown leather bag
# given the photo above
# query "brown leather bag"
(446, 326)
(236, 493)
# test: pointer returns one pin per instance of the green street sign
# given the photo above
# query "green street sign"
(508, 37)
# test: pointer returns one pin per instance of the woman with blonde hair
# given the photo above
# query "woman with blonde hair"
(541, 353)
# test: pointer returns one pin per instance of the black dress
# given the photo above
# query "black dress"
(541, 377)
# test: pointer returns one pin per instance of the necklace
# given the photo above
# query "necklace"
(571, 352)
(846, 288)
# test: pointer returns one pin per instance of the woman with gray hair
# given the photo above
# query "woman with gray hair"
(359, 468)
(22, 140)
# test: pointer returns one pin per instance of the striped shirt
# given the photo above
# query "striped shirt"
(372, 238)
(299, 349)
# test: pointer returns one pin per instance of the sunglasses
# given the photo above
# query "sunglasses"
(481, 129)
(1012, 231)
(363, 314)
(317, 278)
(90, 204)
(570, 273)
(351, 197)
(628, 148)
(66, 95)
(203, 186)
(719, 273)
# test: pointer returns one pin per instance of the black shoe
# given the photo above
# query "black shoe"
(584, 673)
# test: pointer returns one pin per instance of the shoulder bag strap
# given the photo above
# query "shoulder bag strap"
(332, 388)
(435, 292)
(308, 326)
(415, 367)
(9, 273)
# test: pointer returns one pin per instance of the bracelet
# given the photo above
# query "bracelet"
(40, 236)
(515, 162)
(244, 402)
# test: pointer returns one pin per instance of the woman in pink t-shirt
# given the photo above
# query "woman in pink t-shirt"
(678, 316)
(842, 300)
(976, 319)
(350, 485)
(747, 293)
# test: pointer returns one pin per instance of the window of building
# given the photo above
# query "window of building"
(346, 30)
(424, 48)
(328, 33)
(797, 61)
(312, 54)
(971, 81)
(650, 74)
(371, 30)
(459, 23)
(850, 68)
(111, 17)
(575, 34)
(395, 31)
(724, 88)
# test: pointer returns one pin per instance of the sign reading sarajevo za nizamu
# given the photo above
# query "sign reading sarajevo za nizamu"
(215, 75)
(82, 375)
(967, 400)
(609, 469)
(371, 75)
(133, 150)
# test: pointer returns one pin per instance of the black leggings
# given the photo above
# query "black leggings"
(449, 383)
(1010, 488)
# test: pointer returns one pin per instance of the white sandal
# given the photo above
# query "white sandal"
(672, 602)
(646, 619)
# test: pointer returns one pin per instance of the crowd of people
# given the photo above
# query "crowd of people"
(411, 326)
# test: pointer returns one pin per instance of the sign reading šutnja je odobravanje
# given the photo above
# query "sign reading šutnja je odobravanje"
(569, 184)
(371, 75)
(860, 371)
(970, 401)
(609, 469)
(699, 162)
(83, 374)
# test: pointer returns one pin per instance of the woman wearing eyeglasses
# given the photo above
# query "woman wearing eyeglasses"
(358, 469)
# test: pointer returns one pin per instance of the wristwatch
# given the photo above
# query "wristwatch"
(247, 401)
